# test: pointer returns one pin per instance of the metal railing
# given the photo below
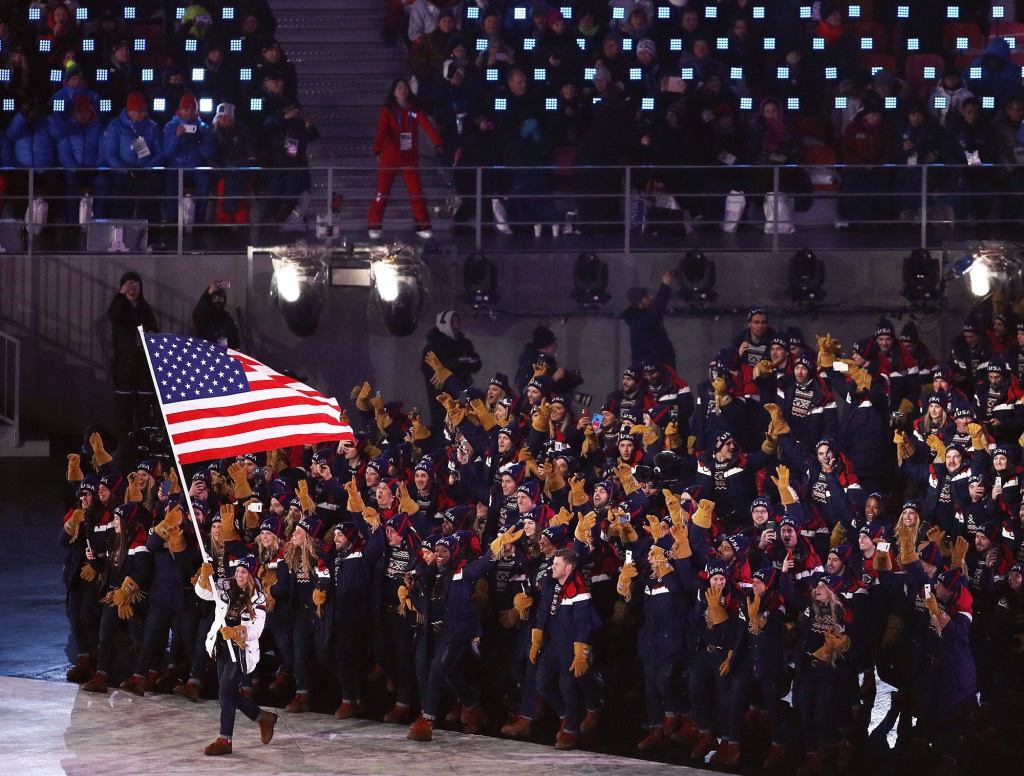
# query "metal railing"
(10, 390)
(633, 208)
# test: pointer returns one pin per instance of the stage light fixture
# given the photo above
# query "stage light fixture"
(299, 286)
(480, 281)
(397, 287)
(806, 277)
(696, 276)
(590, 281)
(922, 281)
(988, 267)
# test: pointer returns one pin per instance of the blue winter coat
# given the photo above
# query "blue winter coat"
(68, 94)
(78, 145)
(29, 145)
(187, 150)
(116, 146)
(995, 82)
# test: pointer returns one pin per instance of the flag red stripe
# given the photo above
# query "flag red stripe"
(215, 432)
(241, 409)
(209, 454)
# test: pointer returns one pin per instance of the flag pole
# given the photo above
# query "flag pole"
(174, 452)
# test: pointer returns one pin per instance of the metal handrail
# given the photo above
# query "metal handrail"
(10, 390)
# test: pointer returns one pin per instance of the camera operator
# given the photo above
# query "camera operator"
(188, 145)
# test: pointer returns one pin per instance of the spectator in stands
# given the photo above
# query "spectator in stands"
(454, 352)
(557, 50)
(498, 53)
(570, 121)
(272, 56)
(219, 82)
(212, 320)
(168, 96)
(195, 24)
(651, 72)
(530, 186)
(968, 144)
(454, 103)
(687, 32)
(699, 58)
(28, 80)
(106, 31)
(918, 142)
(187, 146)
(726, 146)
(638, 24)
(287, 133)
(74, 85)
(613, 58)
(132, 147)
(591, 31)
(1009, 154)
(78, 147)
(62, 36)
(949, 94)
(133, 388)
(123, 75)
(396, 145)
(428, 56)
(31, 146)
(839, 50)
(423, 17)
(1000, 77)
(865, 143)
(233, 147)
(773, 144)
(607, 142)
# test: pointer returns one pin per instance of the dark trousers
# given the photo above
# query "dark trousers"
(229, 675)
(815, 692)
(439, 668)
(709, 692)
(745, 686)
(393, 650)
(200, 657)
(304, 643)
(349, 643)
(110, 625)
(83, 614)
(280, 635)
(159, 621)
(560, 688)
(661, 695)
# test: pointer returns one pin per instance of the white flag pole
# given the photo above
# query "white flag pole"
(174, 452)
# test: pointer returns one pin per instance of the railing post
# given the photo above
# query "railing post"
(17, 393)
(924, 206)
(775, 209)
(479, 194)
(628, 219)
(181, 209)
(31, 221)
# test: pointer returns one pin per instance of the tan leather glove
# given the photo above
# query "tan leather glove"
(716, 613)
(234, 633)
(658, 561)
(904, 446)
(88, 573)
(204, 576)
(268, 578)
(762, 368)
(508, 537)
(960, 547)
(705, 510)
(173, 518)
(361, 393)
(355, 498)
(404, 601)
(672, 439)
(838, 535)
(589, 444)
(419, 431)
(75, 468)
(371, 517)
(777, 426)
(626, 478)
(405, 501)
(319, 599)
(881, 561)
(125, 597)
(100, 456)
(250, 520)
(786, 494)
(755, 624)
(977, 432)
(133, 494)
(380, 415)
(908, 546)
(674, 505)
(624, 586)
(509, 618)
(487, 420)
(172, 475)
(228, 530)
(74, 523)
(655, 527)
(240, 488)
(722, 396)
(680, 542)
(542, 417)
(580, 659)
(441, 372)
(536, 640)
(522, 603)
(306, 503)
(937, 446)
(627, 533)
(584, 528)
(563, 517)
(577, 492)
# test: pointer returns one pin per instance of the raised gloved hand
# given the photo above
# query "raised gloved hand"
(361, 393)
(934, 441)
(722, 396)
(881, 561)
(960, 547)
(725, 665)
(418, 430)
(240, 488)
(589, 444)
(781, 479)
(838, 535)
(75, 468)
(716, 613)
(937, 535)
(355, 498)
(624, 586)
(371, 517)
(702, 517)
(672, 439)
(509, 618)
(268, 578)
(250, 519)
(405, 501)
(487, 420)
(585, 528)
(172, 475)
(580, 659)
(542, 417)
(510, 536)
(100, 456)
(228, 530)
(526, 458)
(655, 528)
(536, 639)
(908, 544)
(562, 517)
(977, 432)
(441, 372)
(133, 493)
(235, 633)
(838, 643)
(904, 446)
(674, 505)
(577, 494)
(777, 426)
(660, 567)
(680, 542)
(380, 415)
(73, 523)
(762, 368)
(204, 576)
(754, 622)
(405, 605)
(627, 533)
(522, 603)
(173, 519)
(625, 474)
(553, 479)
(306, 503)
(931, 603)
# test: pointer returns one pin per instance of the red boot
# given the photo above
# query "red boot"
(670, 725)
(421, 730)
(136, 685)
(590, 720)
(726, 756)
(653, 740)
(566, 741)
(706, 741)
(455, 714)
(219, 747)
(280, 684)
(473, 719)
(347, 710)
(686, 734)
(299, 704)
(267, 720)
(517, 728)
(398, 715)
(189, 691)
(98, 683)
(776, 757)
(81, 671)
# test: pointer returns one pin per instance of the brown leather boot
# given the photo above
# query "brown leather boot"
(398, 715)
(136, 685)
(566, 741)
(455, 714)
(473, 719)
(517, 728)
(98, 683)
(347, 710)
(590, 720)
(299, 704)
(267, 721)
(706, 741)
(189, 691)
(776, 757)
(726, 756)
(217, 748)
(81, 671)
(653, 740)
(686, 734)
(421, 730)
(669, 725)
(280, 684)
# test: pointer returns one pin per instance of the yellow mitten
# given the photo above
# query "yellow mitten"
(228, 530)
(382, 418)
(937, 446)
(585, 527)
(75, 468)
(522, 603)
(716, 613)
(133, 493)
(74, 523)
(977, 432)
(362, 395)
(405, 501)
(577, 494)
(100, 456)
(306, 503)
(441, 372)
(624, 586)
(240, 487)
(580, 659)
(319, 599)
(702, 517)
(536, 639)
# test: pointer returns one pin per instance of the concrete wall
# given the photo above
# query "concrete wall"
(57, 305)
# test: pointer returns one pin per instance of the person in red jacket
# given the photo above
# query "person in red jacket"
(397, 149)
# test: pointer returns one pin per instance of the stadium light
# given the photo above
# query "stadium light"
(590, 281)
(480, 281)
(397, 288)
(806, 277)
(696, 275)
(921, 277)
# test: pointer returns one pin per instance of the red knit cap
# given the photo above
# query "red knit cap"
(188, 102)
(135, 102)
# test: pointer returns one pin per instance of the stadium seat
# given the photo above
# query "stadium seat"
(820, 155)
(1006, 30)
(868, 29)
(809, 125)
(914, 69)
(954, 31)
(870, 61)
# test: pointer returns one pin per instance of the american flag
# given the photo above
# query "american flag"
(219, 402)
